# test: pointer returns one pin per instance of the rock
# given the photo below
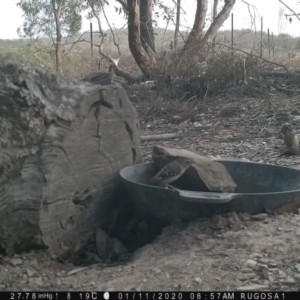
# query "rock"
(198, 280)
(263, 261)
(255, 287)
(272, 264)
(201, 237)
(255, 255)
(271, 278)
(34, 263)
(74, 285)
(297, 267)
(247, 276)
(36, 281)
(246, 270)
(16, 261)
(262, 267)
(289, 279)
(259, 217)
(281, 274)
(31, 272)
(2, 287)
(156, 270)
(297, 276)
(290, 229)
(250, 263)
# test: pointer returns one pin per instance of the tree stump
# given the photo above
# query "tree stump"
(62, 145)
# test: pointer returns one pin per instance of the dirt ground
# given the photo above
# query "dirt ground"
(228, 253)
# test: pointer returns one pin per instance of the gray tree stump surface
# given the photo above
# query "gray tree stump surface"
(62, 145)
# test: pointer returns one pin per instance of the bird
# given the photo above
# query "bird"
(291, 139)
(172, 171)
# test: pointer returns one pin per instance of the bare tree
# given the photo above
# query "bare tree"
(177, 24)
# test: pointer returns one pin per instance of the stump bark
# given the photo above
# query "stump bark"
(62, 145)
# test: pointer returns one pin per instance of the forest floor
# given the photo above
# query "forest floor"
(229, 253)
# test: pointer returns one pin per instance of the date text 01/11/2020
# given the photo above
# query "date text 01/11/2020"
(206, 296)
(150, 295)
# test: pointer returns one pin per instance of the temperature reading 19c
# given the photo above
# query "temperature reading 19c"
(221, 296)
(88, 296)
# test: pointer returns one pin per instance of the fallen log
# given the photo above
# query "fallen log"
(62, 145)
(156, 137)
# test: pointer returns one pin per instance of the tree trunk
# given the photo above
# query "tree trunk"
(57, 12)
(197, 31)
(147, 36)
(214, 15)
(199, 24)
(62, 145)
(219, 20)
(177, 24)
(135, 46)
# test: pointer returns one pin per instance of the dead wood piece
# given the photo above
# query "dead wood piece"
(62, 145)
(165, 136)
(204, 174)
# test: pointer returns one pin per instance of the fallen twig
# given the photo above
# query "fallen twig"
(165, 136)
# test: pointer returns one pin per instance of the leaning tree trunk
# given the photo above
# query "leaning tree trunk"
(134, 38)
(62, 144)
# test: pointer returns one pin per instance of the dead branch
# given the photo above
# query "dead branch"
(251, 16)
(112, 32)
(165, 136)
(253, 55)
(290, 9)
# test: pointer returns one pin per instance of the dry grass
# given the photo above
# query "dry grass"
(198, 73)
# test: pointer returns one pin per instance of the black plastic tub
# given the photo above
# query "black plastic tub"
(259, 187)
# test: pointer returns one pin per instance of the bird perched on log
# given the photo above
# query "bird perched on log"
(172, 171)
(291, 139)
